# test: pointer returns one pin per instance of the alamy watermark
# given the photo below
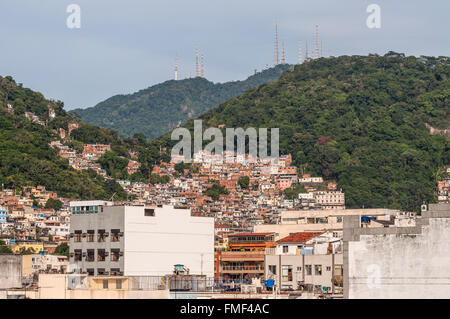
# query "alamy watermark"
(374, 19)
(234, 137)
(74, 19)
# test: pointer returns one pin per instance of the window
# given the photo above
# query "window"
(149, 212)
(77, 254)
(115, 254)
(90, 271)
(328, 268)
(105, 284)
(90, 236)
(101, 236)
(118, 284)
(299, 268)
(308, 269)
(100, 271)
(115, 235)
(77, 236)
(285, 249)
(286, 273)
(90, 255)
(318, 270)
(101, 255)
(115, 271)
(273, 269)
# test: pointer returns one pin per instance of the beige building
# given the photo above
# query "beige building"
(318, 220)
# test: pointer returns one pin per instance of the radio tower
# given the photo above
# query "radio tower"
(317, 41)
(197, 70)
(176, 69)
(202, 73)
(276, 52)
(306, 51)
(299, 52)
(283, 56)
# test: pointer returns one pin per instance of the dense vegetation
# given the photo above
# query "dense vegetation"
(160, 108)
(26, 159)
(357, 119)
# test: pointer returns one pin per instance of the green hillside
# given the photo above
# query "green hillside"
(160, 108)
(27, 159)
(357, 119)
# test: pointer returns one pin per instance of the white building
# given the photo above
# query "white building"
(140, 241)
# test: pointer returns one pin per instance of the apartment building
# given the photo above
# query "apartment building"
(244, 258)
(318, 220)
(330, 199)
(139, 241)
(307, 261)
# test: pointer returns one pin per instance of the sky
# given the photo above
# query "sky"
(123, 46)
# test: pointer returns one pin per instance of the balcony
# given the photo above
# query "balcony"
(242, 269)
(243, 255)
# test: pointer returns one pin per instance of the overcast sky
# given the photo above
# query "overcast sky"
(127, 45)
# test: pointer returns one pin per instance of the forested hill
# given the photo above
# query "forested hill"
(162, 107)
(359, 120)
(26, 158)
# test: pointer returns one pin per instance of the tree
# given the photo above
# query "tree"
(244, 182)
(56, 204)
(62, 250)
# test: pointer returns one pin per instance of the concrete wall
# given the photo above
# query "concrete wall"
(154, 244)
(10, 271)
(111, 218)
(399, 262)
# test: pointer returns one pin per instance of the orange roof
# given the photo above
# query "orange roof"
(299, 237)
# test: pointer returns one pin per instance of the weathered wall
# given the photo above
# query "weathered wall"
(394, 262)
(10, 271)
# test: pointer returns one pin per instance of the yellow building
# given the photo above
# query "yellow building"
(34, 248)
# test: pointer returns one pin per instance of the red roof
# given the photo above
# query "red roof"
(299, 237)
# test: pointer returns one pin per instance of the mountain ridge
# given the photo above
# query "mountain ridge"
(160, 108)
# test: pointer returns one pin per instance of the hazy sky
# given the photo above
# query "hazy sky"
(127, 45)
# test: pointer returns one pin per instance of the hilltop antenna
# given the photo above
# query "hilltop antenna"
(283, 57)
(203, 67)
(276, 51)
(321, 48)
(176, 69)
(317, 41)
(306, 51)
(197, 71)
(299, 52)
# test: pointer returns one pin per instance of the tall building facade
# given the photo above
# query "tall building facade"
(138, 240)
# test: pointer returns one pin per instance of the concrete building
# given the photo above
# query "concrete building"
(3, 215)
(318, 220)
(309, 262)
(140, 241)
(399, 262)
(10, 271)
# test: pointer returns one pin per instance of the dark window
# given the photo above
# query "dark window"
(105, 284)
(100, 271)
(115, 235)
(101, 255)
(118, 284)
(90, 255)
(101, 236)
(285, 249)
(90, 236)
(77, 236)
(115, 254)
(77, 254)
(149, 212)
(90, 271)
